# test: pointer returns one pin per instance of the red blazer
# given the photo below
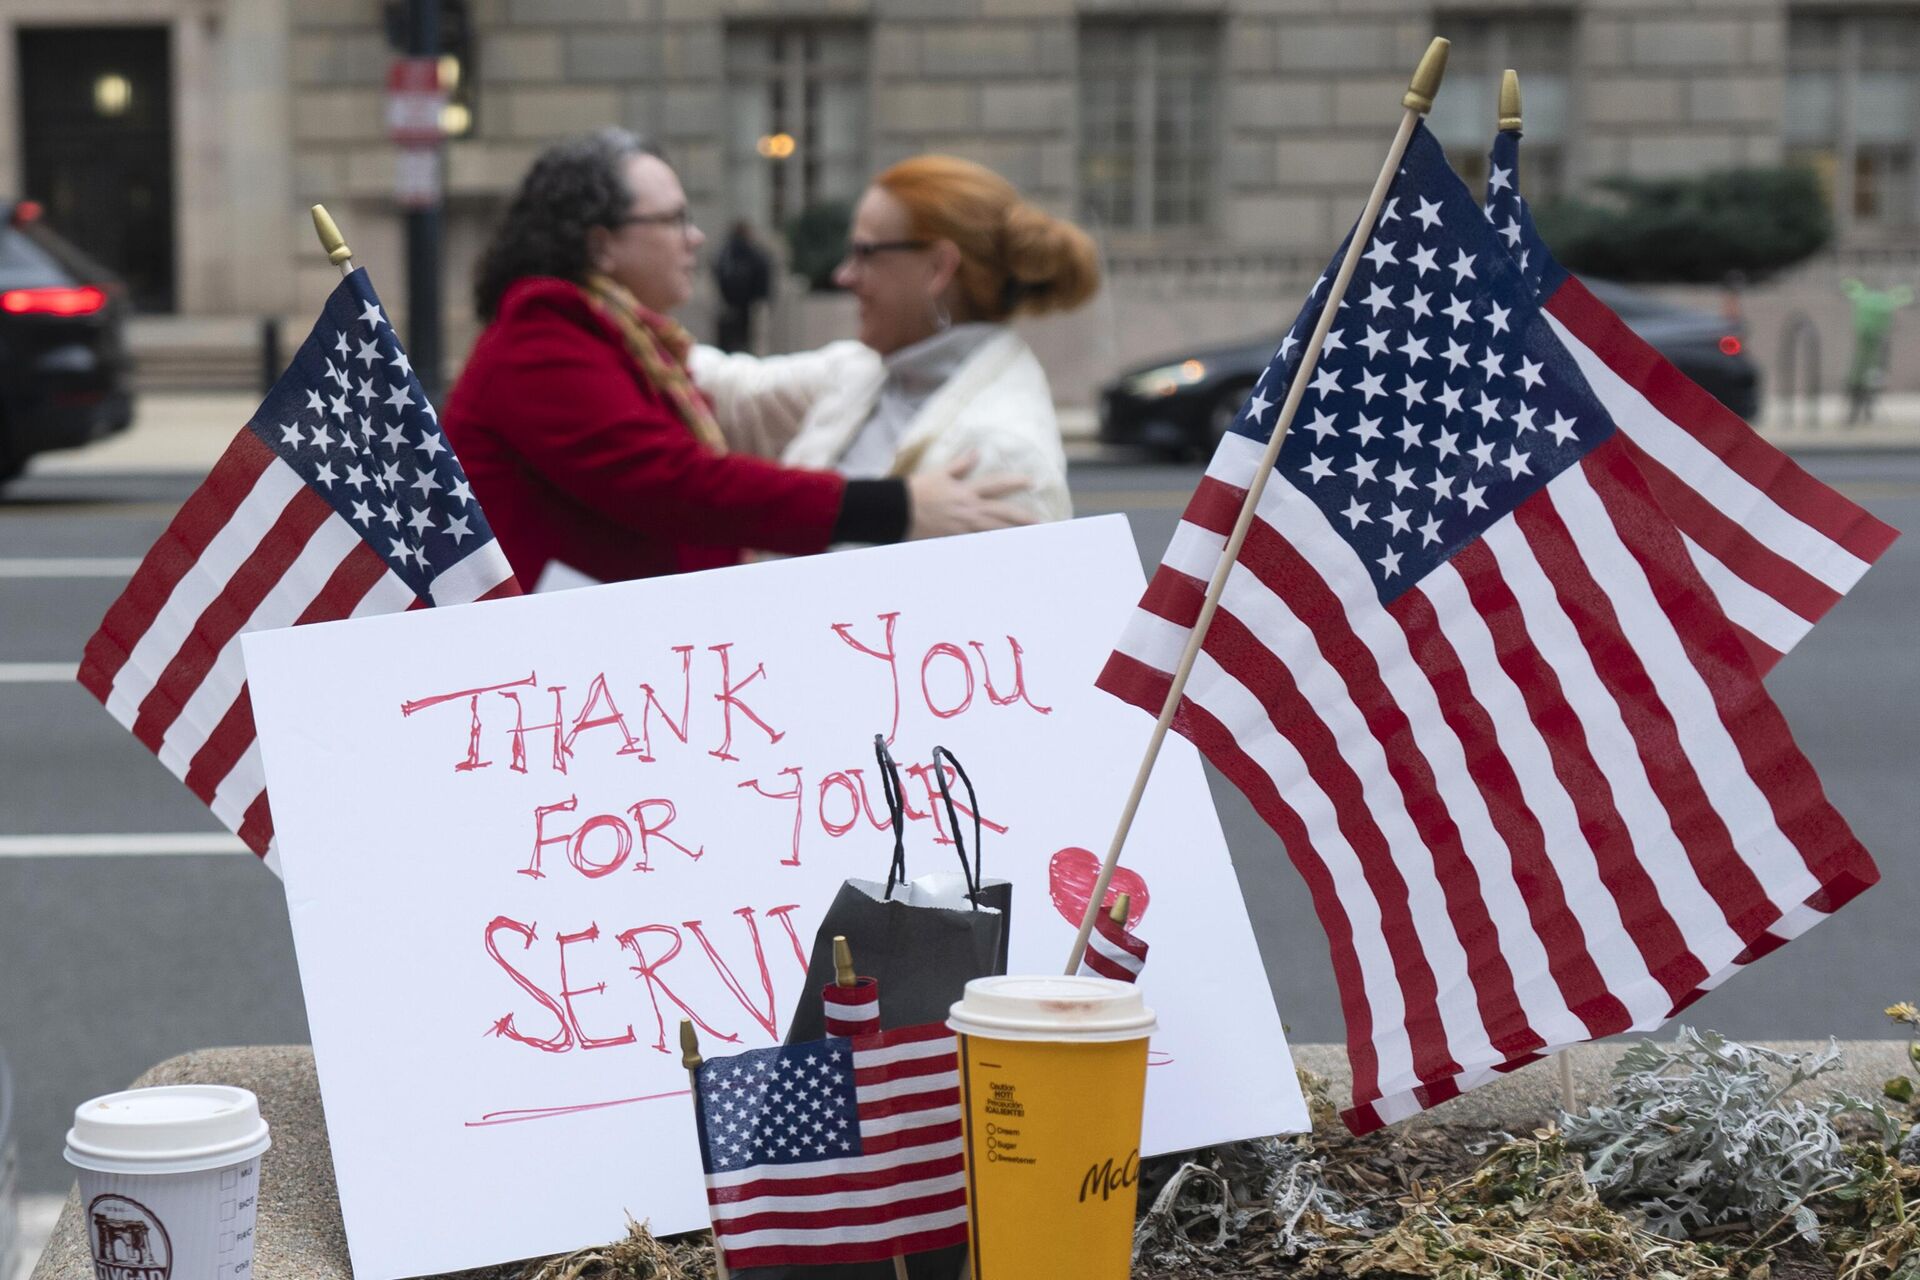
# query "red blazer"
(574, 456)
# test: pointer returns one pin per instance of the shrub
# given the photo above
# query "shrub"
(817, 239)
(1690, 229)
(1698, 1131)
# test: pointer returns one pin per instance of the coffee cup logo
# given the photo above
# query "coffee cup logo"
(128, 1241)
(1105, 1178)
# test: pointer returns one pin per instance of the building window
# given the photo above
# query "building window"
(1148, 124)
(1466, 114)
(1853, 112)
(796, 118)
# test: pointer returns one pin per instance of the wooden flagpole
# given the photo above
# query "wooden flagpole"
(690, 1058)
(1509, 121)
(332, 241)
(1418, 100)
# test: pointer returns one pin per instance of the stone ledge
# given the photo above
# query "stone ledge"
(299, 1235)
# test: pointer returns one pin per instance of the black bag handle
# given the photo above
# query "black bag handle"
(894, 791)
(890, 788)
(973, 807)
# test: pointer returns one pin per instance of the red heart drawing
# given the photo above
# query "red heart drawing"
(1072, 873)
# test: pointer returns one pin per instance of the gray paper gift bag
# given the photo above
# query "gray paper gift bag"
(923, 939)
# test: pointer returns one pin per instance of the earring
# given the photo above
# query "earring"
(941, 320)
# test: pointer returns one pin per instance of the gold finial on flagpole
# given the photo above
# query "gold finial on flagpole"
(1118, 912)
(843, 974)
(689, 1045)
(1509, 100)
(1427, 77)
(331, 240)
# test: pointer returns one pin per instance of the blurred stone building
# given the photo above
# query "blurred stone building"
(1216, 147)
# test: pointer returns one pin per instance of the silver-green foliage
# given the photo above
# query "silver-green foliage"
(1697, 1131)
(1269, 1186)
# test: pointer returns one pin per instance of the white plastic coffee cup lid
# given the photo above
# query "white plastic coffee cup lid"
(1052, 1007)
(182, 1128)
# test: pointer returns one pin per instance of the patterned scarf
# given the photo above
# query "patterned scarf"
(661, 347)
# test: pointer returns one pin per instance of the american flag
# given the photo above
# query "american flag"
(854, 1010)
(1112, 951)
(1776, 547)
(338, 499)
(1465, 668)
(834, 1150)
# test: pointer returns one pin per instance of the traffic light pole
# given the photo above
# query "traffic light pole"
(424, 230)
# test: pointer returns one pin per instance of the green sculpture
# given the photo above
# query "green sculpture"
(1873, 311)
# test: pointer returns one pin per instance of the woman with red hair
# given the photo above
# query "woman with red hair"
(943, 254)
(592, 451)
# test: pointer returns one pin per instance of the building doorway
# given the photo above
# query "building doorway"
(96, 112)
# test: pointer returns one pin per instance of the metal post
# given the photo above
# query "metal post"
(423, 231)
(270, 362)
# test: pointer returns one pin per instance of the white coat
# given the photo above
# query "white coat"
(805, 409)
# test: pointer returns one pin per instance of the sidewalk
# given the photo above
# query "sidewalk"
(178, 431)
(182, 431)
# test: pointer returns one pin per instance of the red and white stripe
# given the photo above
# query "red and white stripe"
(1776, 547)
(1112, 952)
(1532, 809)
(854, 1010)
(251, 550)
(905, 1192)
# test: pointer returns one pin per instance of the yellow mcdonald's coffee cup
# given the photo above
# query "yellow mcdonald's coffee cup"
(1053, 1075)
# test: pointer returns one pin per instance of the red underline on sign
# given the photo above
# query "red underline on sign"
(1155, 1059)
(548, 1113)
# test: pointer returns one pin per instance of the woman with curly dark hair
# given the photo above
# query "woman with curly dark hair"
(581, 432)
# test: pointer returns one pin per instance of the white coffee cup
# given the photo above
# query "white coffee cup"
(169, 1181)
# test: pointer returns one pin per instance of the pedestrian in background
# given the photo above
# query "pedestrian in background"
(943, 255)
(1873, 315)
(743, 274)
(584, 438)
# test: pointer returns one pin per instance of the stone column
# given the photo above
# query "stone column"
(256, 185)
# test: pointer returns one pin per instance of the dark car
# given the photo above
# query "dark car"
(64, 369)
(1184, 403)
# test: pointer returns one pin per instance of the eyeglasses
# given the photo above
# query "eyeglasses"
(681, 218)
(866, 250)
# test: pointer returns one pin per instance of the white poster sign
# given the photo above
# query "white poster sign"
(522, 840)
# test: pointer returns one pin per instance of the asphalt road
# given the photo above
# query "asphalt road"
(114, 956)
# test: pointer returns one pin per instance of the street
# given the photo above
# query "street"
(135, 929)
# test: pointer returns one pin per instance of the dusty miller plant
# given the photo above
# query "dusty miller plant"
(1268, 1186)
(1698, 1131)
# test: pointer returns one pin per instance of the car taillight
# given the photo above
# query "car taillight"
(1730, 345)
(26, 213)
(79, 301)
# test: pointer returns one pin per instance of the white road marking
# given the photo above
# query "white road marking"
(37, 672)
(38, 1214)
(68, 566)
(159, 844)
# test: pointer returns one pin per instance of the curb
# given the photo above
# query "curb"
(186, 432)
